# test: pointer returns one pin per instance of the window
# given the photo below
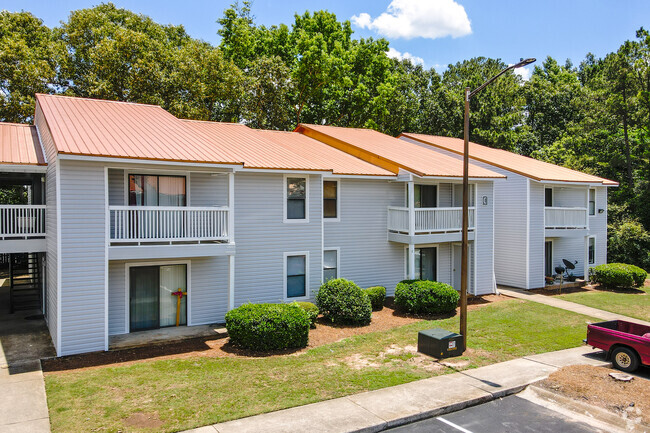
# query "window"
(152, 190)
(548, 197)
(296, 276)
(330, 265)
(426, 196)
(592, 250)
(426, 263)
(296, 198)
(592, 201)
(330, 199)
(152, 303)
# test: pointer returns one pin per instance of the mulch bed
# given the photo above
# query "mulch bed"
(325, 332)
(593, 385)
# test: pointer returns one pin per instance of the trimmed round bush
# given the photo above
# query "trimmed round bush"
(344, 302)
(618, 275)
(266, 327)
(311, 310)
(426, 297)
(377, 296)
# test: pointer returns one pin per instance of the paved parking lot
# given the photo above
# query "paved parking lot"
(507, 415)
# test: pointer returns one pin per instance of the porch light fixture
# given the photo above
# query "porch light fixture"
(464, 261)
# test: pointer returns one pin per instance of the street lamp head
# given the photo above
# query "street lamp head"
(524, 62)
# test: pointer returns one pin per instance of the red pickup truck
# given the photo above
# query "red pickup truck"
(627, 344)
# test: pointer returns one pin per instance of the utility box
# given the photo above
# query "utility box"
(440, 343)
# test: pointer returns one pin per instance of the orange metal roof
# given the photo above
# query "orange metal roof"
(529, 167)
(339, 162)
(251, 149)
(96, 127)
(391, 153)
(19, 145)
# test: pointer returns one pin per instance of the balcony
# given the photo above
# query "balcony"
(566, 218)
(439, 224)
(169, 231)
(22, 228)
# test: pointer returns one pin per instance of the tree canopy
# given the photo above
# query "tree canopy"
(594, 117)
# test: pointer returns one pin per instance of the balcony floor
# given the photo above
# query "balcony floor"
(133, 252)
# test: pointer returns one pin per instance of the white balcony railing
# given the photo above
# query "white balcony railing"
(566, 218)
(168, 224)
(429, 220)
(22, 221)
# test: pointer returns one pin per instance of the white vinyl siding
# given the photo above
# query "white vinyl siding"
(537, 234)
(208, 281)
(598, 225)
(366, 255)
(484, 240)
(83, 257)
(208, 189)
(567, 196)
(51, 236)
(116, 187)
(262, 237)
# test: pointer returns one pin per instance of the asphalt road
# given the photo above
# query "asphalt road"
(507, 415)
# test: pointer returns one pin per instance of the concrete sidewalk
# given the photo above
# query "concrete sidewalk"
(389, 407)
(567, 305)
(23, 342)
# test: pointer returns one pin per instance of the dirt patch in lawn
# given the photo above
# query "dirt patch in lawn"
(593, 385)
(325, 332)
(143, 420)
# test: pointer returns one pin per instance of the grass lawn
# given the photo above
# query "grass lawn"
(186, 393)
(635, 305)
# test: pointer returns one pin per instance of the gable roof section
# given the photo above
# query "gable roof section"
(94, 127)
(520, 164)
(99, 128)
(391, 153)
(339, 162)
(19, 145)
(251, 149)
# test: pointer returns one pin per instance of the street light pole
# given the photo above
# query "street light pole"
(465, 244)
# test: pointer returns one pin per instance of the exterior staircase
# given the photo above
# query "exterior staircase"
(26, 282)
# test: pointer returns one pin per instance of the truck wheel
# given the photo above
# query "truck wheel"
(625, 359)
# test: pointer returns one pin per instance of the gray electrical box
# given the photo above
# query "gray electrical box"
(440, 343)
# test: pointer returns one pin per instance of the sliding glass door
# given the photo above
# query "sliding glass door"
(152, 304)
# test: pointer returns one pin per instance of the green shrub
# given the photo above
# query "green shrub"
(268, 326)
(426, 297)
(311, 310)
(344, 302)
(377, 296)
(618, 275)
(409, 281)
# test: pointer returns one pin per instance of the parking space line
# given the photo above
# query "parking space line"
(457, 427)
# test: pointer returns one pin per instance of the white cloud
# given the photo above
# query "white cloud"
(410, 19)
(524, 73)
(393, 53)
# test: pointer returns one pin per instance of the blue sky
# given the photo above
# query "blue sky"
(454, 29)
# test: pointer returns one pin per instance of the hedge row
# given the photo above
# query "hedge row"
(342, 301)
(425, 297)
(266, 327)
(377, 296)
(618, 275)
